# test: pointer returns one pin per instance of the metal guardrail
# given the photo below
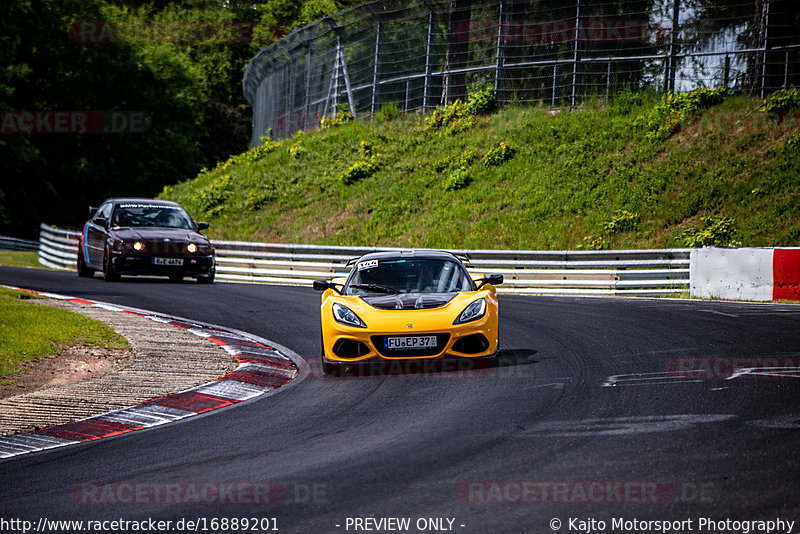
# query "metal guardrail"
(615, 272)
(12, 243)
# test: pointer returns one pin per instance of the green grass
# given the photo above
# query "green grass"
(30, 331)
(20, 259)
(590, 178)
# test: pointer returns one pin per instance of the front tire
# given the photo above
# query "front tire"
(206, 278)
(331, 369)
(328, 369)
(83, 270)
(109, 274)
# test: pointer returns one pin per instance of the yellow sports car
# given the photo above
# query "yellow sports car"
(407, 305)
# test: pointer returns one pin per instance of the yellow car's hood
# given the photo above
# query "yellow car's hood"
(409, 301)
(423, 318)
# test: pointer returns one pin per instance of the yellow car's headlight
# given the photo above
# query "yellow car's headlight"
(346, 316)
(473, 312)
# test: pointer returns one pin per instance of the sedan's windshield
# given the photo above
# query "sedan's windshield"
(385, 277)
(151, 215)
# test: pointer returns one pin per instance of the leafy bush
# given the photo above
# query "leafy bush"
(481, 102)
(388, 112)
(296, 150)
(366, 149)
(342, 116)
(458, 180)
(359, 170)
(676, 110)
(621, 221)
(211, 198)
(257, 198)
(713, 231)
(782, 100)
(254, 154)
(458, 117)
(498, 155)
(464, 160)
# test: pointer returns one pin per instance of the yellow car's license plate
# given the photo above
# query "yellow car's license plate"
(409, 342)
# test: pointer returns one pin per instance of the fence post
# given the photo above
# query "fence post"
(786, 70)
(766, 48)
(671, 60)
(576, 54)
(608, 80)
(376, 71)
(726, 73)
(553, 94)
(290, 109)
(341, 63)
(429, 54)
(501, 29)
(309, 77)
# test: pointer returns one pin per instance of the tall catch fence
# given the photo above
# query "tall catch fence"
(418, 54)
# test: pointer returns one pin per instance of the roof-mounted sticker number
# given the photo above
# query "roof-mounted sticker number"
(371, 264)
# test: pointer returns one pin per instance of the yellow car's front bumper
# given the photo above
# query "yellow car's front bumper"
(349, 344)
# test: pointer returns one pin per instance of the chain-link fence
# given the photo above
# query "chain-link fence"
(418, 54)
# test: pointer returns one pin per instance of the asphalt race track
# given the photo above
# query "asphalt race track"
(600, 409)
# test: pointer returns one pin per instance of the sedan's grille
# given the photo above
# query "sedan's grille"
(441, 343)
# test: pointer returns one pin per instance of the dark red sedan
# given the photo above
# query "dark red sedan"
(139, 236)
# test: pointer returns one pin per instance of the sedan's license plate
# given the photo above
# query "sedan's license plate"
(409, 342)
(167, 261)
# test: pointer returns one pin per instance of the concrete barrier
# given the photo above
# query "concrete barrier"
(756, 274)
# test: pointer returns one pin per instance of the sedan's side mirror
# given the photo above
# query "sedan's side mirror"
(92, 211)
(202, 226)
(494, 279)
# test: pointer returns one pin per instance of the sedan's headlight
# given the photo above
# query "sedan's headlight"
(473, 312)
(192, 248)
(346, 316)
(138, 246)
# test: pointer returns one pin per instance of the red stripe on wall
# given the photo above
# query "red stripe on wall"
(786, 274)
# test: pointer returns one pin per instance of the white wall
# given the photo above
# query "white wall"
(734, 274)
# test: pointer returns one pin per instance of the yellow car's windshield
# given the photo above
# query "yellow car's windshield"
(395, 276)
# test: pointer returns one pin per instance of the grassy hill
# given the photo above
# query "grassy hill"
(639, 172)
